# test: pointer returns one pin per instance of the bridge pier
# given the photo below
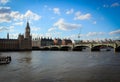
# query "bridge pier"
(117, 49)
(65, 48)
(78, 48)
(95, 49)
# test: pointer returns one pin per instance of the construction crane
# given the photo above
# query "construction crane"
(79, 34)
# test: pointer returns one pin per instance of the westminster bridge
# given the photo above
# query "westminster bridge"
(81, 46)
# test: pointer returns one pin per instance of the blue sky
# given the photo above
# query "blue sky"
(92, 19)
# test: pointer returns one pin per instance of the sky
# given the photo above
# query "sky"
(89, 19)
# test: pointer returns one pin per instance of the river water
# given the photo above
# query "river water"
(61, 66)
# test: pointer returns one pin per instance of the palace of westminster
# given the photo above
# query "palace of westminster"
(25, 42)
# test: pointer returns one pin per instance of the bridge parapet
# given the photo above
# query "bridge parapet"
(105, 44)
(86, 44)
(55, 46)
(67, 46)
(90, 45)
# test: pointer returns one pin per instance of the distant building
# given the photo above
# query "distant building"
(66, 42)
(57, 41)
(77, 41)
(40, 42)
(46, 42)
(36, 42)
(22, 43)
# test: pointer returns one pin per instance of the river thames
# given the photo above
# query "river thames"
(61, 66)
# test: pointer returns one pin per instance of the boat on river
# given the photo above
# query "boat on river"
(5, 59)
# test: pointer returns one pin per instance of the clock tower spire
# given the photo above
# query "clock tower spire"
(27, 30)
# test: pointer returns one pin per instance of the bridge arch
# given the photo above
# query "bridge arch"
(54, 48)
(45, 48)
(77, 48)
(101, 46)
(65, 48)
(95, 48)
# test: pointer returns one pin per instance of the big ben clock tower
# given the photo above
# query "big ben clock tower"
(27, 31)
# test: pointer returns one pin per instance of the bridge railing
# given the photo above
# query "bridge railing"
(90, 44)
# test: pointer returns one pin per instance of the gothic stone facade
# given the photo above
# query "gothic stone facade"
(22, 43)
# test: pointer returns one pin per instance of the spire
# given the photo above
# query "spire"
(27, 25)
(7, 35)
(27, 30)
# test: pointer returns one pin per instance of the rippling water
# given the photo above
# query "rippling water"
(61, 66)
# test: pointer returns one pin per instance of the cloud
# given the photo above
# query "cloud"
(48, 34)
(51, 29)
(35, 28)
(36, 35)
(13, 35)
(116, 4)
(105, 6)
(11, 29)
(52, 34)
(16, 15)
(29, 15)
(115, 32)
(3, 29)
(33, 16)
(4, 1)
(5, 10)
(94, 34)
(56, 10)
(94, 22)
(74, 36)
(6, 15)
(70, 11)
(18, 23)
(5, 18)
(79, 16)
(62, 25)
